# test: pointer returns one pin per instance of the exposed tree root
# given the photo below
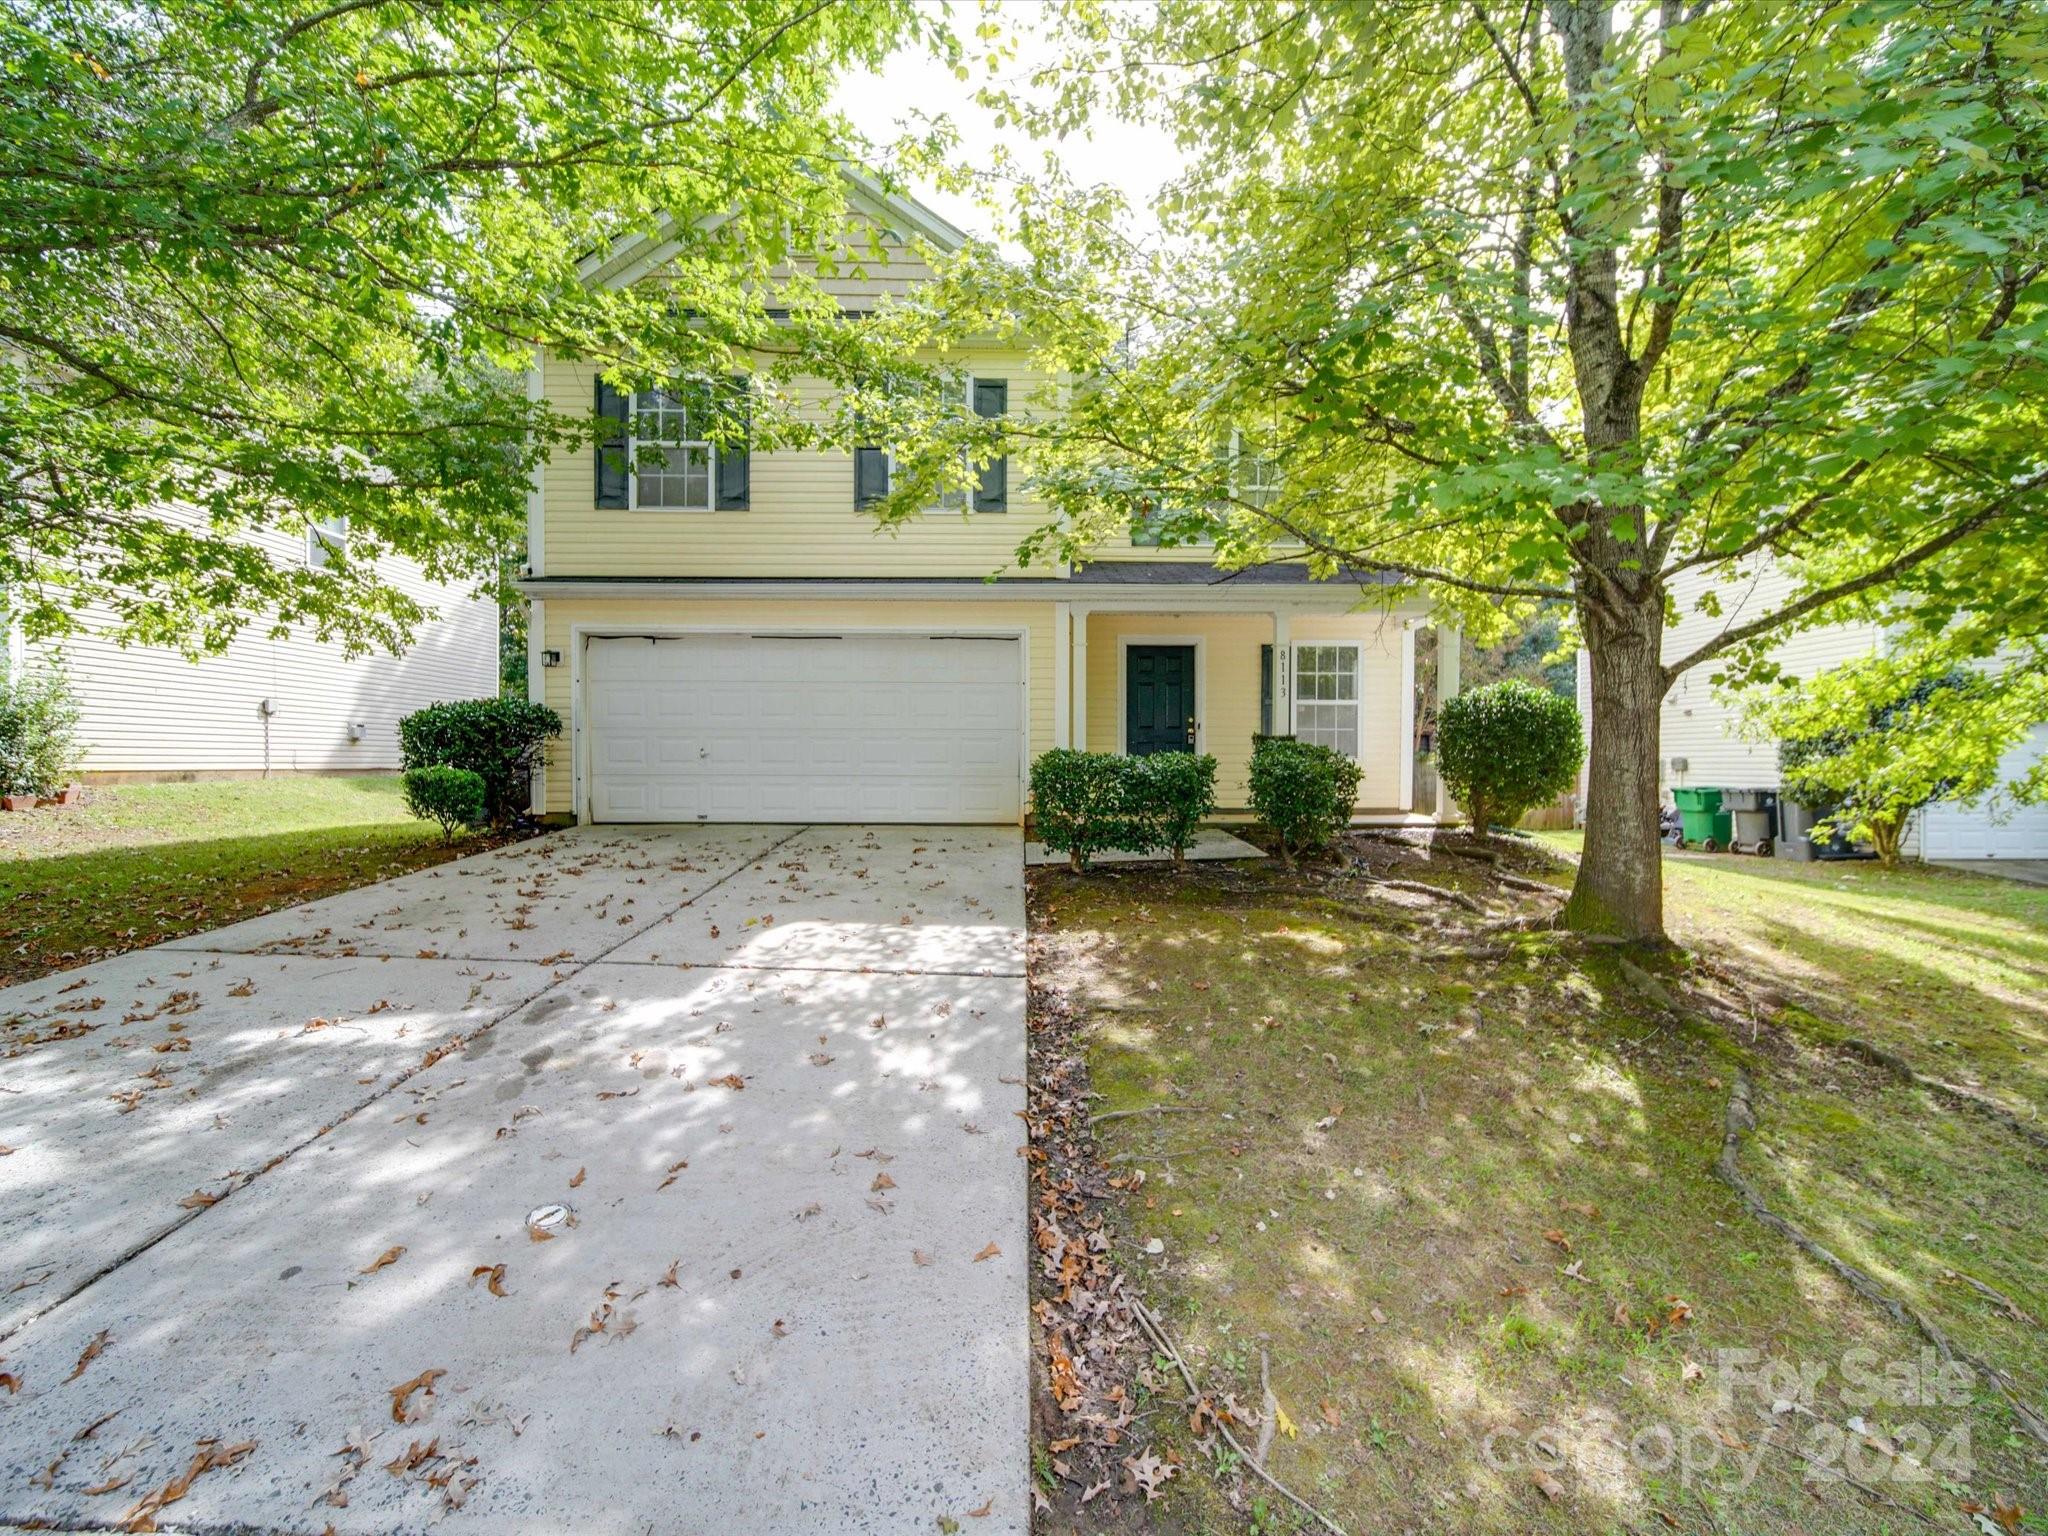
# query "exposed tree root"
(1738, 1122)
(1417, 888)
(1877, 1056)
(1534, 887)
(1969, 1098)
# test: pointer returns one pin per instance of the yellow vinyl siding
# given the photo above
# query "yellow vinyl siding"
(1229, 688)
(802, 520)
(622, 615)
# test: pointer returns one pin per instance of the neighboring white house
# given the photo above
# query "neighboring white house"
(1703, 743)
(293, 705)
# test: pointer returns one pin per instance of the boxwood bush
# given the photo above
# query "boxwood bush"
(1173, 793)
(453, 797)
(1084, 803)
(1302, 791)
(1081, 804)
(1506, 748)
(498, 740)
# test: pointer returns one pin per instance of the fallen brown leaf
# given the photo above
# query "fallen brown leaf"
(920, 1258)
(990, 1252)
(94, 1348)
(496, 1284)
(401, 1395)
(199, 1200)
(387, 1257)
(577, 1182)
(212, 1455)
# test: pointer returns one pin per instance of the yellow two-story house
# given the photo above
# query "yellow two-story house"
(730, 637)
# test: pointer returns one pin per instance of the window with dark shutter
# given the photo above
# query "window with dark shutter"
(870, 476)
(734, 476)
(992, 493)
(614, 468)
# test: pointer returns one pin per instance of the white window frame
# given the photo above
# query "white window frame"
(1295, 699)
(634, 443)
(1256, 492)
(325, 537)
(955, 503)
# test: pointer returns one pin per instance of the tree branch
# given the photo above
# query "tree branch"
(1897, 566)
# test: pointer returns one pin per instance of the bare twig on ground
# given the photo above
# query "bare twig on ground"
(1269, 1406)
(1151, 1109)
(1157, 1330)
(1739, 1121)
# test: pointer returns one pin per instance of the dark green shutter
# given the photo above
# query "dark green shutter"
(870, 470)
(733, 474)
(992, 398)
(614, 485)
(1265, 690)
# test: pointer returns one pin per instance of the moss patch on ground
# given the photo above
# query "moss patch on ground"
(1449, 1193)
(139, 864)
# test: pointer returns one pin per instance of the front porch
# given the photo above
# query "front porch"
(1139, 673)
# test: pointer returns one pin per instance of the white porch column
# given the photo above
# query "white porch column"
(1450, 660)
(1062, 674)
(1283, 676)
(537, 690)
(1080, 678)
(1408, 717)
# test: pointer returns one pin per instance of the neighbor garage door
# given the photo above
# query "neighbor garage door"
(766, 727)
(1949, 831)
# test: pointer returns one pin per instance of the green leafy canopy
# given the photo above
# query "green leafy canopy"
(1567, 301)
(273, 262)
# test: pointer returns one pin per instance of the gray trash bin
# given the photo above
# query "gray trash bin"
(1754, 813)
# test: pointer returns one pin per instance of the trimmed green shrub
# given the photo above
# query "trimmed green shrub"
(1302, 791)
(1506, 748)
(1082, 803)
(454, 797)
(498, 740)
(38, 732)
(1173, 793)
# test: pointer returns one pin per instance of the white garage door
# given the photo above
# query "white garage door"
(762, 727)
(1975, 832)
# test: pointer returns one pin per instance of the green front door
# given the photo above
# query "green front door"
(1159, 704)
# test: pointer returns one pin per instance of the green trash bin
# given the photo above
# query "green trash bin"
(1701, 821)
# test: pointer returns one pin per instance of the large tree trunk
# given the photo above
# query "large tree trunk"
(1620, 884)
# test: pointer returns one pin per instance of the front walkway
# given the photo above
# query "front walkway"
(629, 1179)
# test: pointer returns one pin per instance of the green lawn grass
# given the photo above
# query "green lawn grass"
(1397, 1126)
(139, 864)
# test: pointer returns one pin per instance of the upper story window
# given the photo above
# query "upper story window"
(325, 537)
(874, 467)
(673, 459)
(1254, 478)
(679, 449)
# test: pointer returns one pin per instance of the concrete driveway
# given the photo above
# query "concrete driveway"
(631, 1179)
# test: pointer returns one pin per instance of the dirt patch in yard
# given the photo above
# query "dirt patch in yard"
(1425, 1196)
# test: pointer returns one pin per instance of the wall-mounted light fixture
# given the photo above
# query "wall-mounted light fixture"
(551, 658)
